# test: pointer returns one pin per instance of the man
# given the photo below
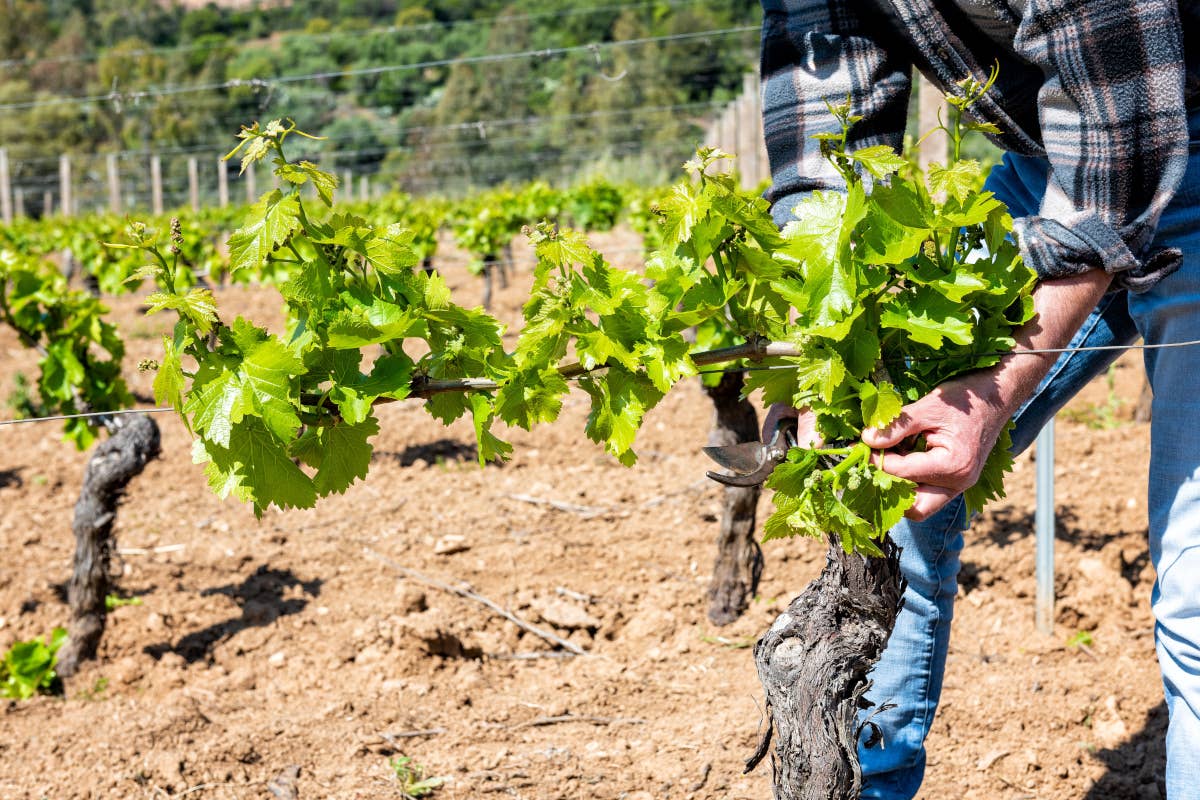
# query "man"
(1094, 100)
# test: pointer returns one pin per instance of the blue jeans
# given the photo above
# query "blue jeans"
(910, 672)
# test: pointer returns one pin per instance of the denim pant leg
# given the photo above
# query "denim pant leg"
(1170, 312)
(909, 674)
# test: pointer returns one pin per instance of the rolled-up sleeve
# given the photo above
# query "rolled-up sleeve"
(817, 53)
(1114, 123)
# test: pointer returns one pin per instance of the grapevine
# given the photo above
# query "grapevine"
(79, 373)
(895, 291)
(79, 368)
(594, 205)
(484, 227)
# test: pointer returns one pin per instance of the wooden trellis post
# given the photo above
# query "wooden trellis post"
(114, 183)
(749, 127)
(6, 199)
(929, 101)
(113, 180)
(738, 129)
(726, 134)
(251, 184)
(222, 183)
(156, 192)
(65, 198)
(194, 183)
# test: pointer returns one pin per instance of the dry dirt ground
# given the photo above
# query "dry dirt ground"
(292, 652)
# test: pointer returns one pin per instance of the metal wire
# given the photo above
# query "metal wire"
(996, 353)
(400, 131)
(267, 83)
(89, 414)
(379, 30)
(1039, 351)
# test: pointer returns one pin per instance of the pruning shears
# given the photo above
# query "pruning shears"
(753, 462)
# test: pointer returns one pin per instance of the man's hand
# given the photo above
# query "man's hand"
(960, 422)
(962, 419)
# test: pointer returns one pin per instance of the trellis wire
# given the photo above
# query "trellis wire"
(485, 385)
(380, 30)
(267, 83)
(88, 414)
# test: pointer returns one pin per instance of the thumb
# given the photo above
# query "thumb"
(897, 431)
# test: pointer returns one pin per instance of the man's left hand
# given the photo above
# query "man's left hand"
(960, 422)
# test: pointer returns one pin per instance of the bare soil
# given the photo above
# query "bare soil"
(288, 657)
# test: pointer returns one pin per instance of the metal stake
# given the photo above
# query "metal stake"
(1044, 526)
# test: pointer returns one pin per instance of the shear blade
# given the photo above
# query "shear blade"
(751, 479)
(741, 458)
(752, 462)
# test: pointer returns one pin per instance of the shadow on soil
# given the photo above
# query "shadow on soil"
(1006, 526)
(1135, 767)
(261, 597)
(439, 451)
(11, 477)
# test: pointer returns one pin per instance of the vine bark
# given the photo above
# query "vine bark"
(813, 665)
(739, 561)
(113, 464)
(489, 269)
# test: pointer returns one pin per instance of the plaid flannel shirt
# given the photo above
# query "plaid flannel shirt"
(1101, 88)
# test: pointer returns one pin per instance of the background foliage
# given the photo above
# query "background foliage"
(71, 71)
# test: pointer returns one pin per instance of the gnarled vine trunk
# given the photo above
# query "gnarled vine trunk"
(113, 464)
(489, 269)
(506, 265)
(813, 664)
(739, 561)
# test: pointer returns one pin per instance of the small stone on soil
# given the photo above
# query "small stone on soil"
(564, 614)
(409, 599)
(172, 661)
(450, 544)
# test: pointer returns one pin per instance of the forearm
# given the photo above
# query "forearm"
(1062, 305)
(962, 418)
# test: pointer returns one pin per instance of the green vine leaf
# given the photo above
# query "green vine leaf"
(342, 455)
(881, 404)
(273, 219)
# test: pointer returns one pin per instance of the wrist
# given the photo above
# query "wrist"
(1062, 305)
(1004, 387)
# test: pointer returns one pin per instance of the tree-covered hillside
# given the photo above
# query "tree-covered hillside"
(435, 94)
